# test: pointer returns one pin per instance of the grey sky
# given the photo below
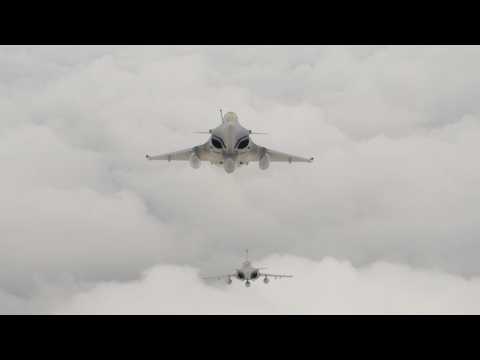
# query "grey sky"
(394, 131)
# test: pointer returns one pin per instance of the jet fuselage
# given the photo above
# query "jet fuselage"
(230, 140)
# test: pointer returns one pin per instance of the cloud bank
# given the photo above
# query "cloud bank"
(325, 287)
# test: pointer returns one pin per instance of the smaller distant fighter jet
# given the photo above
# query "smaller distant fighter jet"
(248, 273)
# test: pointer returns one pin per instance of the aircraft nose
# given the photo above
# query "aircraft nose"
(229, 165)
(230, 138)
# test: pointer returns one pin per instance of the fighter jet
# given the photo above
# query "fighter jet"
(248, 273)
(229, 146)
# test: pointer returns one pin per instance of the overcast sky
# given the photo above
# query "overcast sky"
(385, 220)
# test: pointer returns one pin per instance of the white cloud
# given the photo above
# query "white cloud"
(325, 287)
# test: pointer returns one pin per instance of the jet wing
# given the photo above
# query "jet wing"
(276, 276)
(219, 277)
(256, 152)
(184, 155)
(279, 156)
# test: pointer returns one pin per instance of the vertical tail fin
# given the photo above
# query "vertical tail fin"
(221, 115)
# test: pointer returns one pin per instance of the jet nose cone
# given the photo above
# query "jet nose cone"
(229, 165)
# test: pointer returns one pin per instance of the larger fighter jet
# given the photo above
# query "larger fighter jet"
(229, 146)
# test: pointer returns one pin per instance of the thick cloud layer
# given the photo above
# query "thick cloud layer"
(394, 131)
(324, 287)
